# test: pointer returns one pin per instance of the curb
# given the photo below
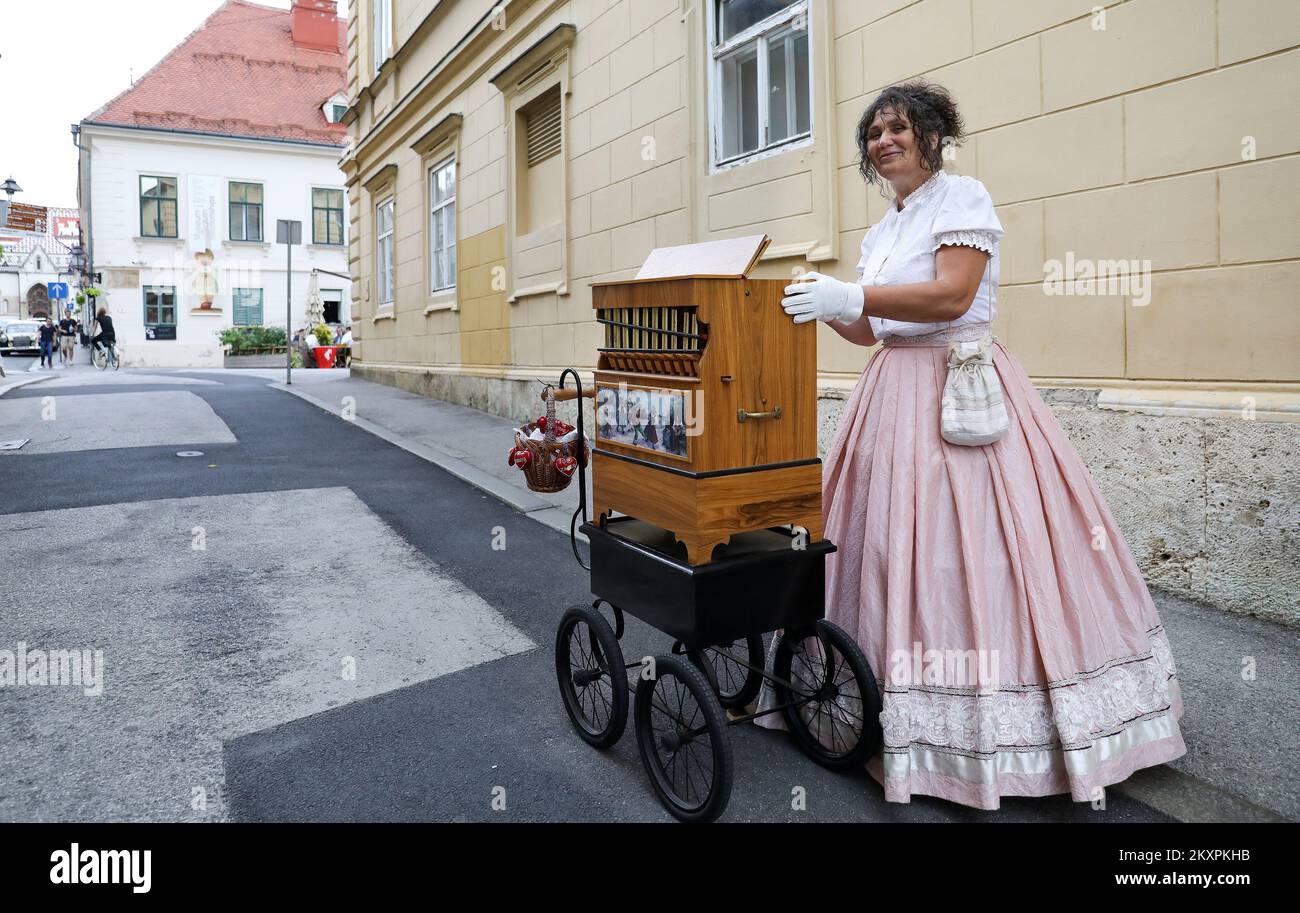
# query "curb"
(19, 382)
(1191, 800)
(543, 512)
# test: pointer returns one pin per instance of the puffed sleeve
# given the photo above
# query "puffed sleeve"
(966, 217)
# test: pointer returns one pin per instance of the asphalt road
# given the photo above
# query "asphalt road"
(225, 692)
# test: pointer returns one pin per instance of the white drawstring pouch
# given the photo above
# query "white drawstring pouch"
(973, 411)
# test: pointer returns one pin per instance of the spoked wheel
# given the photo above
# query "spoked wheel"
(736, 684)
(593, 681)
(681, 733)
(835, 715)
(98, 358)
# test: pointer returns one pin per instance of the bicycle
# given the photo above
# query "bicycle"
(101, 356)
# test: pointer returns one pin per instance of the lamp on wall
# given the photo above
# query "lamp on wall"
(10, 187)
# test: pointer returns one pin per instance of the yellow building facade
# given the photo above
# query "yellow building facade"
(1146, 153)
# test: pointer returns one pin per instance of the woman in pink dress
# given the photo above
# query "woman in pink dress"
(1018, 650)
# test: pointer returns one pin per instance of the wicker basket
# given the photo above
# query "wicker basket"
(540, 471)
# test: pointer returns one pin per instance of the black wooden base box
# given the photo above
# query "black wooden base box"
(758, 582)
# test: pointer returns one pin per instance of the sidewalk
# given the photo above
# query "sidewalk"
(1242, 734)
(469, 444)
(23, 370)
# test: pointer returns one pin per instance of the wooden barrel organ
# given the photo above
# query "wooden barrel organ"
(706, 409)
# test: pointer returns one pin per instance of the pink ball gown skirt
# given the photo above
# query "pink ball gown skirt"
(1018, 650)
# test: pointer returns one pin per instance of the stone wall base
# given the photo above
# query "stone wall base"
(1210, 506)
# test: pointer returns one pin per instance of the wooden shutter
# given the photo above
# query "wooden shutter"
(543, 122)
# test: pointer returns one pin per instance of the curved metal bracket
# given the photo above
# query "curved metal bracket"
(582, 470)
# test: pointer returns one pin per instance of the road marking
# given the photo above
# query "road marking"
(261, 625)
(111, 420)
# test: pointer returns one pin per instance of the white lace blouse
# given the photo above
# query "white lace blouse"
(900, 248)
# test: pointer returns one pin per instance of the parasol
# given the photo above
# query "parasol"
(315, 315)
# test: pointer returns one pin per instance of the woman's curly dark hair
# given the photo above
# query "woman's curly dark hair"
(931, 111)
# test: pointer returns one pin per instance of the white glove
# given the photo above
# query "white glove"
(826, 298)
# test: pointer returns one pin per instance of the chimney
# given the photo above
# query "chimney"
(314, 24)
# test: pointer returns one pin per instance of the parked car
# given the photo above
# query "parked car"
(20, 336)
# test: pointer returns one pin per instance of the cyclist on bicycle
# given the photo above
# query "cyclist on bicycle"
(101, 332)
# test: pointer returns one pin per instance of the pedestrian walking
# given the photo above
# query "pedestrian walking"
(67, 339)
(49, 333)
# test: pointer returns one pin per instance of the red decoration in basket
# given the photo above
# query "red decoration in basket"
(548, 464)
(561, 427)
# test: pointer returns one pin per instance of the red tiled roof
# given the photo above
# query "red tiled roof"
(239, 74)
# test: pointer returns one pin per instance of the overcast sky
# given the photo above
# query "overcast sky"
(62, 59)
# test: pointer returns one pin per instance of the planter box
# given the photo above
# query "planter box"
(255, 361)
(324, 356)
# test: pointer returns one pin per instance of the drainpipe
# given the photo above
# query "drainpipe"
(87, 234)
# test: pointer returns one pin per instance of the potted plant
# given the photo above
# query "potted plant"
(325, 351)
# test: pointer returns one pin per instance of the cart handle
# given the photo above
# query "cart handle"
(562, 394)
(576, 393)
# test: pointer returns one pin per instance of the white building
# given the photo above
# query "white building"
(30, 261)
(184, 176)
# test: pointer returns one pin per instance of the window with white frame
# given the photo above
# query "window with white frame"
(245, 211)
(326, 216)
(760, 76)
(334, 109)
(381, 24)
(384, 251)
(160, 306)
(158, 206)
(442, 226)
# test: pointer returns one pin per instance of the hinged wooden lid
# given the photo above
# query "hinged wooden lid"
(727, 258)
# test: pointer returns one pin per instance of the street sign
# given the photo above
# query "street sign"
(160, 332)
(27, 218)
(56, 290)
(288, 231)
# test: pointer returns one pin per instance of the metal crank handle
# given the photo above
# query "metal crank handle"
(742, 415)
